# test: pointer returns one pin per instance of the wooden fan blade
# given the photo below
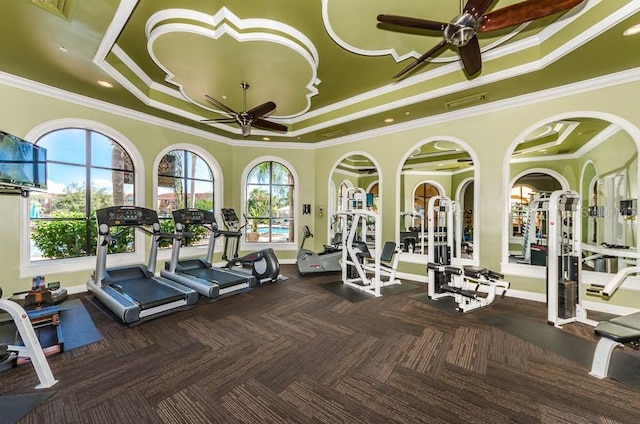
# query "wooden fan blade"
(471, 56)
(262, 109)
(477, 7)
(221, 120)
(422, 58)
(526, 11)
(268, 125)
(412, 22)
(220, 105)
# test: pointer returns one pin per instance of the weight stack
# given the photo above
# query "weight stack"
(567, 295)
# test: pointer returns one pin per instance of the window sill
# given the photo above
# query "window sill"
(88, 263)
(255, 246)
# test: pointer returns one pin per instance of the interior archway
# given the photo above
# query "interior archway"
(438, 167)
(356, 169)
(596, 158)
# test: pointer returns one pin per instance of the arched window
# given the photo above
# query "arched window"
(344, 185)
(270, 203)
(87, 170)
(421, 196)
(185, 180)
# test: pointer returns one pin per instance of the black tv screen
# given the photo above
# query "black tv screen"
(22, 164)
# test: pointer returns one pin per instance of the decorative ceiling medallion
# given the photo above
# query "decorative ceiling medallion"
(212, 54)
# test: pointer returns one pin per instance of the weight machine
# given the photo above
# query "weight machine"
(534, 227)
(412, 241)
(446, 280)
(439, 242)
(360, 269)
(564, 264)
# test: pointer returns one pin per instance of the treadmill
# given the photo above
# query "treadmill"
(133, 293)
(199, 273)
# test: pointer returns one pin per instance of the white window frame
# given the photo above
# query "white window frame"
(252, 246)
(30, 268)
(218, 198)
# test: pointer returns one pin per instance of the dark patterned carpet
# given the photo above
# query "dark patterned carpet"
(295, 352)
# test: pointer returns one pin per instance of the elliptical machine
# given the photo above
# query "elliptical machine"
(309, 261)
(264, 263)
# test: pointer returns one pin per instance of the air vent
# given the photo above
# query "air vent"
(465, 101)
(336, 133)
(60, 8)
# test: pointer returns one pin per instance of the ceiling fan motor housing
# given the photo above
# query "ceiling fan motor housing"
(461, 29)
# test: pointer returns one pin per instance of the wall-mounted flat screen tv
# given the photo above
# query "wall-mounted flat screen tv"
(22, 164)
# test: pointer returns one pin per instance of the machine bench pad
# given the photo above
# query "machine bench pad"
(619, 333)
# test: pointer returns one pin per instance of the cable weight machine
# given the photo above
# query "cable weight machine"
(439, 242)
(564, 264)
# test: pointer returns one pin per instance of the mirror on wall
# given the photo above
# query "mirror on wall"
(355, 170)
(597, 159)
(437, 169)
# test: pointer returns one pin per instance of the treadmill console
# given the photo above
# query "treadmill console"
(230, 218)
(126, 216)
(194, 216)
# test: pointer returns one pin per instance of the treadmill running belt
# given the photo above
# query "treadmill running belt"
(148, 292)
(221, 278)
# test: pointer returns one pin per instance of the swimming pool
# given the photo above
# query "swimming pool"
(276, 229)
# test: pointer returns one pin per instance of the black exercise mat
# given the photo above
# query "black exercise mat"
(14, 407)
(623, 366)
(560, 342)
(446, 304)
(345, 292)
(399, 288)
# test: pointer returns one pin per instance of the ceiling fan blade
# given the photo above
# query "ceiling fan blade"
(471, 56)
(526, 11)
(221, 120)
(412, 22)
(422, 58)
(477, 7)
(268, 125)
(220, 105)
(262, 109)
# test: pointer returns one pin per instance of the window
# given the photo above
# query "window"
(86, 171)
(373, 190)
(421, 196)
(185, 180)
(342, 193)
(269, 203)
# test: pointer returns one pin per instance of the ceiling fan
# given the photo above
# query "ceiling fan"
(246, 118)
(461, 31)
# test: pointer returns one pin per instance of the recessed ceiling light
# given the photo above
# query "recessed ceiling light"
(63, 49)
(407, 113)
(224, 97)
(389, 120)
(266, 138)
(542, 150)
(106, 84)
(632, 30)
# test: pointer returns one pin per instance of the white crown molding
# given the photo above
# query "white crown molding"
(605, 81)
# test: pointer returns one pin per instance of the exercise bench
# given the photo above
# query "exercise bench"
(613, 333)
